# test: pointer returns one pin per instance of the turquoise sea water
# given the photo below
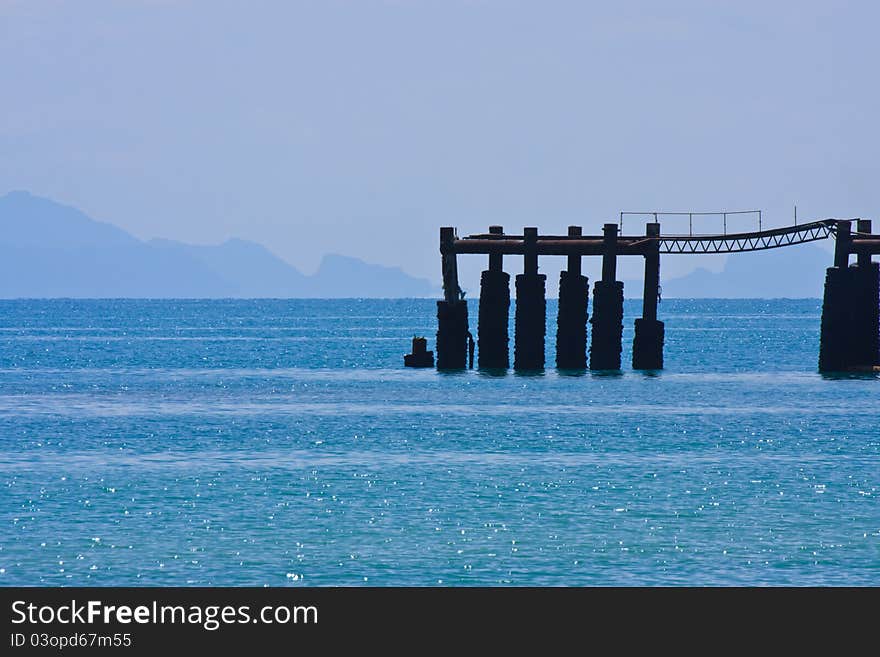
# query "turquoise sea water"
(283, 443)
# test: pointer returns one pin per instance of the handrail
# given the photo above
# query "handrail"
(657, 214)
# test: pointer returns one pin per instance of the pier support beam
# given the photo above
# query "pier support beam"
(863, 227)
(531, 309)
(492, 339)
(452, 313)
(648, 341)
(571, 322)
(850, 329)
(607, 333)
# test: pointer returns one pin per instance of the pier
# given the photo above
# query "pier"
(850, 325)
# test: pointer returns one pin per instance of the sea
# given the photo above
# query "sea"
(283, 443)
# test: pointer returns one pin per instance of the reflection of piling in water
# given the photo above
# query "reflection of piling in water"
(649, 332)
(850, 327)
(571, 320)
(492, 340)
(607, 321)
(531, 309)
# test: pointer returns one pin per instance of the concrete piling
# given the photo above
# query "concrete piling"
(531, 309)
(493, 350)
(850, 328)
(571, 321)
(836, 353)
(866, 305)
(648, 344)
(834, 345)
(607, 322)
(866, 314)
(649, 332)
(452, 330)
(452, 311)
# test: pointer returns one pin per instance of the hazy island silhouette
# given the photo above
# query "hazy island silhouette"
(52, 250)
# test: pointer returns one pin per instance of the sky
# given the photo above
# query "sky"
(361, 127)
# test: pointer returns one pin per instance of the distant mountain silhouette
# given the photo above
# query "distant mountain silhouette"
(52, 250)
(250, 269)
(368, 280)
(793, 272)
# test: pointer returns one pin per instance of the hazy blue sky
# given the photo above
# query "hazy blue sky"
(360, 127)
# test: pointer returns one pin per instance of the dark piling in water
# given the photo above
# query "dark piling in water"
(850, 327)
(531, 309)
(452, 332)
(866, 311)
(571, 322)
(493, 343)
(867, 306)
(607, 334)
(452, 312)
(649, 332)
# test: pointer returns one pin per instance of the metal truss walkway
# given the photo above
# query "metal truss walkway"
(753, 241)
